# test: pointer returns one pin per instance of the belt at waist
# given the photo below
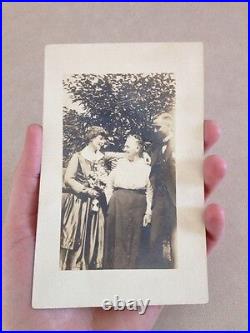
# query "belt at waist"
(139, 190)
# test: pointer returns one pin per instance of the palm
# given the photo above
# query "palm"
(19, 243)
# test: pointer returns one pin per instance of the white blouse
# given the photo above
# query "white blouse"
(133, 175)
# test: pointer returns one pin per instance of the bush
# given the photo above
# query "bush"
(121, 103)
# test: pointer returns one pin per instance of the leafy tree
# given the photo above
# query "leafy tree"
(120, 103)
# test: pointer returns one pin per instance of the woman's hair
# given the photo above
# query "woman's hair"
(139, 142)
(93, 131)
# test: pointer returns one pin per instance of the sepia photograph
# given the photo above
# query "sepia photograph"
(117, 123)
(121, 192)
(118, 194)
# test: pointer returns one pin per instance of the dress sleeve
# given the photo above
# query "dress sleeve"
(70, 176)
(110, 184)
(149, 197)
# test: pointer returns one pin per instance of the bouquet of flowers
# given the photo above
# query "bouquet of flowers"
(97, 180)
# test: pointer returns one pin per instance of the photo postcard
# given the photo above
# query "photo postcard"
(121, 190)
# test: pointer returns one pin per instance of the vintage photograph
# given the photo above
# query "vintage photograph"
(122, 189)
(118, 208)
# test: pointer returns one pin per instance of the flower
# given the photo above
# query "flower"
(97, 180)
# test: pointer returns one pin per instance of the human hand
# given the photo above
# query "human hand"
(93, 193)
(146, 220)
(19, 241)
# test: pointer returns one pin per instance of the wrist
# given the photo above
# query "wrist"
(84, 190)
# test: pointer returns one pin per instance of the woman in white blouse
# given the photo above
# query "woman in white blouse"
(129, 206)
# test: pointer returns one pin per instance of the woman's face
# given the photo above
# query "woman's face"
(131, 148)
(98, 142)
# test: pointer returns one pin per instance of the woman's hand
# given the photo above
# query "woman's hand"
(147, 219)
(93, 193)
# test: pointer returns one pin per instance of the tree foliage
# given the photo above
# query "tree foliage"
(121, 103)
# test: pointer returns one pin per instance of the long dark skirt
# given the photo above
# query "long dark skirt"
(123, 228)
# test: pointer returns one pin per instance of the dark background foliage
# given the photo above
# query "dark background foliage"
(121, 103)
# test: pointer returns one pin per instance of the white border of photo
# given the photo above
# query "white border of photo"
(187, 284)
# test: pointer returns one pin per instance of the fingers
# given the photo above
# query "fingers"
(211, 133)
(214, 218)
(214, 170)
(24, 195)
(214, 166)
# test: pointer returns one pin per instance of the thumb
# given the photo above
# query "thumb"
(24, 195)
